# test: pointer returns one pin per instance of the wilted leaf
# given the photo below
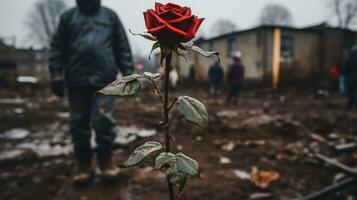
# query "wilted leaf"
(121, 88)
(151, 75)
(205, 53)
(146, 36)
(129, 78)
(165, 158)
(154, 46)
(192, 47)
(141, 153)
(192, 110)
(180, 53)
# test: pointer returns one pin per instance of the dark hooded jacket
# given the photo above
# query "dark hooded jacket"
(235, 74)
(215, 73)
(90, 46)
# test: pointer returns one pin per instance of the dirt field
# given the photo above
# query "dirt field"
(272, 132)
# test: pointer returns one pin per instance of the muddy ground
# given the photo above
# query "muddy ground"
(273, 132)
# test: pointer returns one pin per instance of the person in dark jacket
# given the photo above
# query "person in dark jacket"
(87, 51)
(215, 74)
(235, 78)
(350, 72)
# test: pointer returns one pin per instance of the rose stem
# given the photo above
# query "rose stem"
(166, 118)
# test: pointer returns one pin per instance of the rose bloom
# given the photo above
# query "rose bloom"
(172, 24)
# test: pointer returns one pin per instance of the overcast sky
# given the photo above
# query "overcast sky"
(244, 13)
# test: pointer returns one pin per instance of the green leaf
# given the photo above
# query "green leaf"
(146, 36)
(121, 88)
(192, 110)
(154, 46)
(141, 153)
(150, 75)
(165, 158)
(187, 165)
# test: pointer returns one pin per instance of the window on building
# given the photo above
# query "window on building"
(39, 56)
(231, 46)
(287, 46)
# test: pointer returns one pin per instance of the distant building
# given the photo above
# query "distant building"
(275, 54)
(8, 72)
(33, 63)
(22, 64)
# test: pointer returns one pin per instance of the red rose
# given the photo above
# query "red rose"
(172, 24)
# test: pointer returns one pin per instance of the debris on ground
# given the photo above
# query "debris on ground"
(224, 160)
(241, 174)
(15, 134)
(263, 179)
(260, 195)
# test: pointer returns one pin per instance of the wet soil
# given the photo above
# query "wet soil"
(274, 132)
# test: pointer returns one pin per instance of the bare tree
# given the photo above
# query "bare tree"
(345, 12)
(43, 20)
(223, 26)
(275, 14)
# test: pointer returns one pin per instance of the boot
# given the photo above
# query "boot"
(110, 172)
(83, 176)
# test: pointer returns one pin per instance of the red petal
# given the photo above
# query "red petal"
(157, 7)
(173, 6)
(155, 30)
(149, 21)
(183, 23)
(176, 30)
(186, 11)
(194, 27)
(156, 18)
(169, 15)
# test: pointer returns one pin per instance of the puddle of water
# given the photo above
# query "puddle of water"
(126, 135)
(11, 154)
(46, 150)
(64, 115)
(15, 134)
(18, 111)
(12, 101)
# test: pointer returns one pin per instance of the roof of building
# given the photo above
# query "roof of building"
(314, 28)
(3, 44)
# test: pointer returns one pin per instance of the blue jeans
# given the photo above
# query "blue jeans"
(86, 113)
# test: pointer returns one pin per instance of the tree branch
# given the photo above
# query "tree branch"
(337, 164)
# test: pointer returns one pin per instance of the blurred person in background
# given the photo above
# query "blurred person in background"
(87, 51)
(334, 76)
(235, 78)
(192, 74)
(350, 72)
(215, 75)
(341, 80)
